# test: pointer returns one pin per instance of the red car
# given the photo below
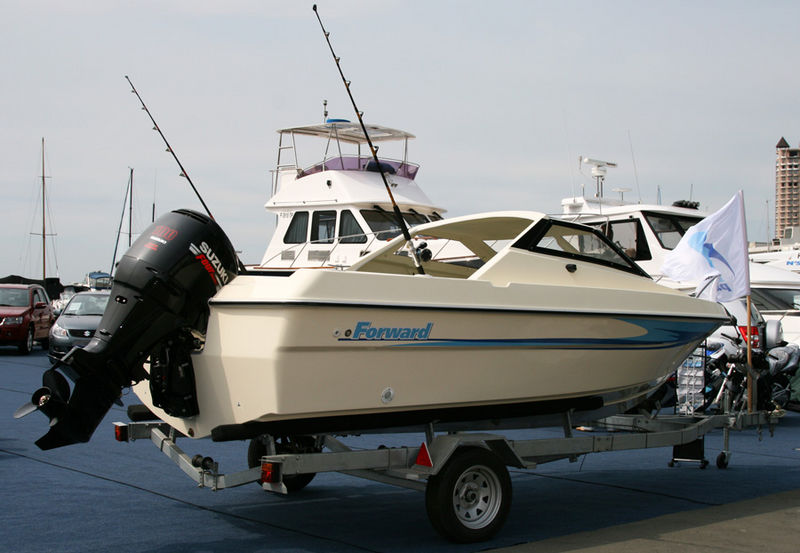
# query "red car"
(25, 316)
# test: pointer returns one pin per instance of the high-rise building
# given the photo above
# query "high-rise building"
(787, 187)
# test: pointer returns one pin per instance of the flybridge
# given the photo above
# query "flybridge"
(365, 331)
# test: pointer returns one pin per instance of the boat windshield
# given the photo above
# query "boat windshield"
(384, 224)
(575, 242)
(13, 297)
(669, 229)
(85, 305)
(775, 299)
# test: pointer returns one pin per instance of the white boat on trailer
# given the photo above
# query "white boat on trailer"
(555, 320)
(551, 321)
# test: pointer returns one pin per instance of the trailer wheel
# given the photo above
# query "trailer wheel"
(285, 444)
(722, 461)
(469, 499)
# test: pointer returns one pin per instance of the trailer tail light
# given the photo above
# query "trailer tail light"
(270, 472)
(120, 431)
(753, 334)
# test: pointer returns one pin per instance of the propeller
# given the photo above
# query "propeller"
(51, 399)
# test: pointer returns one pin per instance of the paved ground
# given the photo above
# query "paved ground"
(770, 523)
(107, 496)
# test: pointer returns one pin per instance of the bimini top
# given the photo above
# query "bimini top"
(349, 132)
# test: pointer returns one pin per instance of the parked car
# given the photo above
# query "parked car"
(25, 316)
(77, 323)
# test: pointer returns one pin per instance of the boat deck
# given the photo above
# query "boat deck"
(106, 495)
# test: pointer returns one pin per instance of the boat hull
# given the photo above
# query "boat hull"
(324, 367)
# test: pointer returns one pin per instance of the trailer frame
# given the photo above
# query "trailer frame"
(459, 505)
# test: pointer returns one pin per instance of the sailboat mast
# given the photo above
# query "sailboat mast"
(130, 211)
(44, 218)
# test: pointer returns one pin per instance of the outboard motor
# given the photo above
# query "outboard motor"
(158, 305)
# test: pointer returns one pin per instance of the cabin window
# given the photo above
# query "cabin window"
(669, 229)
(350, 232)
(629, 236)
(577, 242)
(413, 218)
(297, 232)
(775, 299)
(384, 224)
(323, 227)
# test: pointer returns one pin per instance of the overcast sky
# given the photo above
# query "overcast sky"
(503, 97)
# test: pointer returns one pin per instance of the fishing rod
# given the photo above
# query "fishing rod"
(184, 173)
(397, 213)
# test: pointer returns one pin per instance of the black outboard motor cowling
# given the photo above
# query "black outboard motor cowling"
(159, 296)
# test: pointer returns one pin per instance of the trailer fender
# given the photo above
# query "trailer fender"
(441, 448)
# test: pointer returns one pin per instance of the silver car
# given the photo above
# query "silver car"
(77, 323)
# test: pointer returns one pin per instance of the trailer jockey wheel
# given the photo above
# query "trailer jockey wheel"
(285, 444)
(469, 499)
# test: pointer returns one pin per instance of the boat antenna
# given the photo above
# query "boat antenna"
(635, 172)
(398, 215)
(44, 228)
(169, 148)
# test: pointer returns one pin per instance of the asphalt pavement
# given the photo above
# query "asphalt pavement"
(110, 496)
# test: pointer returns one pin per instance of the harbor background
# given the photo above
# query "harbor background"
(689, 100)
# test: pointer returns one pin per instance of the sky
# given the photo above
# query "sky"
(688, 98)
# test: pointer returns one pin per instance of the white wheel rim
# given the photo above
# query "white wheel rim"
(477, 496)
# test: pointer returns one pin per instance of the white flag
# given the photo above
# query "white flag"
(713, 253)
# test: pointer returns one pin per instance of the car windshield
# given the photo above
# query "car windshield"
(87, 305)
(13, 297)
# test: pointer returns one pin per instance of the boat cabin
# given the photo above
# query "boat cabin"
(502, 247)
(334, 209)
(646, 233)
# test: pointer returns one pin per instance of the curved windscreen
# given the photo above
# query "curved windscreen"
(577, 242)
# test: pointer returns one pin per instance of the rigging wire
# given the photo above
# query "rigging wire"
(121, 217)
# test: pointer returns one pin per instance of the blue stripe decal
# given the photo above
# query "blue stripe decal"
(657, 334)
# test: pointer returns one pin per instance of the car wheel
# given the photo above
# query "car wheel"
(26, 345)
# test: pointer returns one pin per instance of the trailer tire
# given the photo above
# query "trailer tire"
(285, 444)
(468, 500)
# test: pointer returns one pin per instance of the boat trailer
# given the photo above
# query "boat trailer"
(463, 474)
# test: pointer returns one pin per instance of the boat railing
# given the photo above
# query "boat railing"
(362, 163)
(293, 252)
(442, 250)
